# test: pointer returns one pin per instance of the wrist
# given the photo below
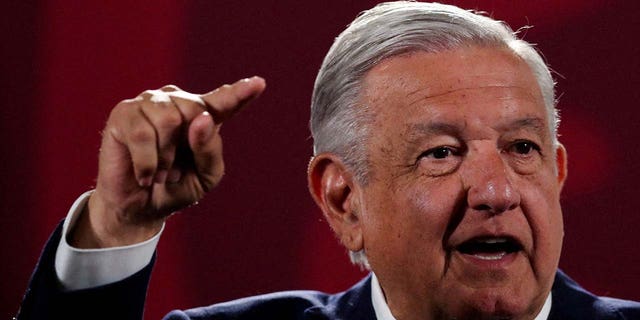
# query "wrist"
(102, 226)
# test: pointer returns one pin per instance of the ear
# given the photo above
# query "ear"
(561, 164)
(334, 190)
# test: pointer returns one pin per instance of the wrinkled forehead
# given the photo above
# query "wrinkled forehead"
(488, 78)
(449, 70)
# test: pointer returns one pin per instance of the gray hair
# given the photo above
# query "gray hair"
(340, 126)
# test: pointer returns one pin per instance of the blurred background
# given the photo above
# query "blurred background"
(65, 64)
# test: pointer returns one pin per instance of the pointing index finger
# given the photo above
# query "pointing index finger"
(227, 100)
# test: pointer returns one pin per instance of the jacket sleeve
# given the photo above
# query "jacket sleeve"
(45, 298)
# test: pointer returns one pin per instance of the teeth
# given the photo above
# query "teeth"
(497, 256)
(494, 240)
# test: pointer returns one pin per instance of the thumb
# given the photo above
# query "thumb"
(201, 129)
(206, 145)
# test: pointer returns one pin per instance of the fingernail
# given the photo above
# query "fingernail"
(145, 182)
(161, 176)
(174, 176)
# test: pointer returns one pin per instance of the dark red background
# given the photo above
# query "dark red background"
(66, 63)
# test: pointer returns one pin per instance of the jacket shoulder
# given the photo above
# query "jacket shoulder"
(354, 303)
(571, 301)
(279, 305)
(626, 309)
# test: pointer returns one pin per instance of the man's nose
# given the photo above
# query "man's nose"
(489, 185)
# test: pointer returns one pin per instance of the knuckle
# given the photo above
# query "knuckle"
(187, 97)
(121, 110)
(156, 97)
(124, 104)
(224, 88)
(170, 88)
(141, 134)
(170, 120)
(147, 93)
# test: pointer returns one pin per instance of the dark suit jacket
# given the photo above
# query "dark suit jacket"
(44, 299)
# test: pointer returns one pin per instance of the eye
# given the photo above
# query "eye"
(438, 153)
(524, 147)
(439, 161)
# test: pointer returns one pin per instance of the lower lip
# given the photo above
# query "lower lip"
(491, 261)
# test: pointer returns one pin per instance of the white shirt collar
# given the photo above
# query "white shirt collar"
(384, 313)
(379, 302)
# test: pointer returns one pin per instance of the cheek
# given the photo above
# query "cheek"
(431, 207)
(542, 198)
(541, 204)
(426, 212)
(406, 222)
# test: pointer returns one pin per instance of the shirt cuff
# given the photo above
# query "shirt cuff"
(87, 268)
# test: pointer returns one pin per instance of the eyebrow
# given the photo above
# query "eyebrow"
(434, 128)
(533, 123)
(417, 130)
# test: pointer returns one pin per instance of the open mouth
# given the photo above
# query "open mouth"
(489, 248)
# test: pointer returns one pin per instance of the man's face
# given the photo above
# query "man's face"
(461, 215)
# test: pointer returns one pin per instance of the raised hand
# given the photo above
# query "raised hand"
(161, 152)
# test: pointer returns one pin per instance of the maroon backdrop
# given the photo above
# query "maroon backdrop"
(66, 63)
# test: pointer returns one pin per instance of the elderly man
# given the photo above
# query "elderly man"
(436, 164)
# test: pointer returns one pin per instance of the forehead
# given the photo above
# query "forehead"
(475, 84)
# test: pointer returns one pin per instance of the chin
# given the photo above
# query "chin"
(498, 305)
(492, 303)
